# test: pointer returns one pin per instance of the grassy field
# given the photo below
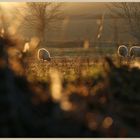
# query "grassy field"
(82, 52)
(79, 93)
(71, 61)
(98, 96)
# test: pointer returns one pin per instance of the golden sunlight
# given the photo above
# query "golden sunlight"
(9, 5)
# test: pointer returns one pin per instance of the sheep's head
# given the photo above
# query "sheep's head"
(123, 51)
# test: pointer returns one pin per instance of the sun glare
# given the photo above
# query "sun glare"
(9, 5)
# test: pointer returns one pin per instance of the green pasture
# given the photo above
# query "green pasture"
(82, 52)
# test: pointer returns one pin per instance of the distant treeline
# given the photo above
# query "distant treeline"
(90, 16)
(73, 44)
(94, 16)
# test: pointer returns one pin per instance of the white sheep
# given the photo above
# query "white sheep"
(123, 51)
(134, 51)
(43, 54)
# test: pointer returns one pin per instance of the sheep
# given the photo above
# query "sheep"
(134, 51)
(43, 54)
(123, 51)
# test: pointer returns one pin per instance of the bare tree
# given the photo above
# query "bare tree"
(4, 24)
(130, 11)
(39, 17)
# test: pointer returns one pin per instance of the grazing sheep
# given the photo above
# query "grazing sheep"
(134, 51)
(123, 51)
(43, 54)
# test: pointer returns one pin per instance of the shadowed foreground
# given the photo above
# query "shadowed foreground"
(102, 105)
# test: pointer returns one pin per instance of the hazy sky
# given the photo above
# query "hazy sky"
(85, 8)
(75, 29)
(70, 8)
